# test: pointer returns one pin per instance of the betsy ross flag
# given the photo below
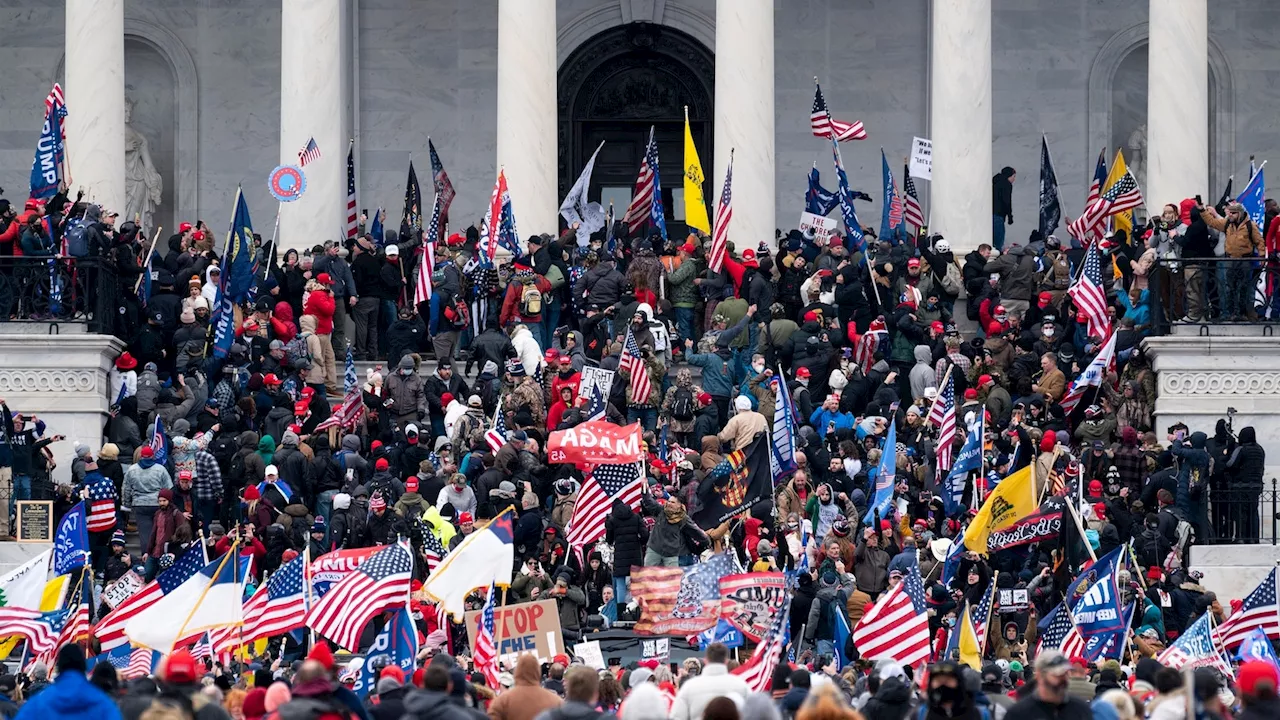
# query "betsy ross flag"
(277, 607)
(758, 670)
(440, 179)
(911, 201)
(897, 626)
(1123, 195)
(1090, 296)
(1058, 632)
(486, 656)
(724, 214)
(602, 485)
(496, 436)
(381, 582)
(353, 218)
(632, 363)
(110, 629)
(1259, 611)
(646, 202)
(1104, 362)
(101, 504)
(309, 153)
(943, 415)
(823, 125)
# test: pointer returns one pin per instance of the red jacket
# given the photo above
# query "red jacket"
(321, 304)
(282, 326)
(511, 302)
(253, 548)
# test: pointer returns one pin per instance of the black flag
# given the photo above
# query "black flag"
(740, 481)
(1050, 203)
(411, 221)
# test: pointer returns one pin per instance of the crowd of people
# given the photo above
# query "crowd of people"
(277, 447)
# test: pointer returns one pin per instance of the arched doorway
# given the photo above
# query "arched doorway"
(617, 85)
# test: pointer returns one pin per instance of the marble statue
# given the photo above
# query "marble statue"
(1137, 154)
(142, 182)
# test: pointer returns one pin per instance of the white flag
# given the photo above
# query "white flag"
(576, 208)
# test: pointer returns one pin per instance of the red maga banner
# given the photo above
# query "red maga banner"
(331, 567)
(595, 443)
(750, 601)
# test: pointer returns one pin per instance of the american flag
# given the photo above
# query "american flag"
(1259, 610)
(659, 590)
(602, 485)
(981, 615)
(724, 214)
(75, 627)
(41, 630)
(911, 202)
(353, 218)
(1089, 294)
(427, 265)
(822, 124)
(897, 626)
(758, 670)
(492, 228)
(1099, 179)
(485, 656)
(1092, 376)
(440, 179)
(309, 153)
(641, 207)
(157, 443)
(202, 648)
(1121, 196)
(141, 662)
(277, 607)
(1196, 647)
(632, 363)
(865, 353)
(496, 436)
(352, 407)
(943, 415)
(433, 549)
(381, 582)
(110, 629)
(54, 98)
(1061, 634)
(102, 504)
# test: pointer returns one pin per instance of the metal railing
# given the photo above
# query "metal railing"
(1241, 517)
(1235, 291)
(59, 290)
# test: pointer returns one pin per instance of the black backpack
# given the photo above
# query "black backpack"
(682, 404)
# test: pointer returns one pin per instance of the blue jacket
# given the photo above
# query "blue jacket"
(1193, 460)
(822, 416)
(717, 374)
(69, 697)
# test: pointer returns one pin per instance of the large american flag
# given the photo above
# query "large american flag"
(352, 408)
(486, 655)
(943, 415)
(897, 626)
(603, 484)
(911, 201)
(427, 264)
(496, 436)
(634, 364)
(1092, 376)
(381, 582)
(1061, 634)
(41, 630)
(277, 607)
(1259, 610)
(822, 124)
(1089, 294)
(54, 98)
(309, 153)
(110, 629)
(758, 670)
(433, 550)
(101, 505)
(1121, 196)
(1099, 178)
(491, 227)
(353, 217)
(865, 353)
(641, 206)
(724, 214)
(440, 179)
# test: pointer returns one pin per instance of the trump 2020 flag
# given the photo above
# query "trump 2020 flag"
(1257, 646)
(969, 459)
(884, 473)
(1253, 197)
(891, 226)
(50, 160)
(783, 447)
(577, 209)
(207, 600)
(397, 645)
(483, 558)
(817, 199)
(1094, 601)
(1050, 201)
(71, 542)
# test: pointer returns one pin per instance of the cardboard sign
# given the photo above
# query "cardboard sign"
(659, 648)
(1014, 600)
(820, 226)
(517, 629)
(921, 159)
(750, 601)
(590, 653)
(120, 590)
(595, 443)
(329, 568)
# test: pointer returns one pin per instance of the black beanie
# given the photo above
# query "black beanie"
(70, 657)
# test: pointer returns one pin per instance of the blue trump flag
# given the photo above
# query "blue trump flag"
(969, 459)
(397, 644)
(722, 632)
(817, 199)
(852, 228)
(50, 159)
(1253, 197)
(1094, 601)
(375, 227)
(237, 281)
(1257, 646)
(884, 474)
(71, 542)
(782, 446)
(892, 228)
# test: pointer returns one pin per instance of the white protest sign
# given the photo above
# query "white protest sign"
(120, 590)
(820, 225)
(590, 653)
(921, 158)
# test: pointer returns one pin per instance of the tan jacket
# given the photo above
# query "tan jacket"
(1053, 384)
(742, 429)
(1242, 239)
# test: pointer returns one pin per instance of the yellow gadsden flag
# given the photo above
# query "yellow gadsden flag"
(695, 205)
(1121, 220)
(970, 653)
(1013, 499)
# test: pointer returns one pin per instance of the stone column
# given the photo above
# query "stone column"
(744, 120)
(527, 112)
(960, 127)
(1177, 102)
(94, 89)
(311, 106)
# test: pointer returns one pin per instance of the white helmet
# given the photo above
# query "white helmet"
(942, 246)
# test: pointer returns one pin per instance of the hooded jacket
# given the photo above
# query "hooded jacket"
(526, 699)
(71, 696)
(1242, 239)
(627, 533)
(1247, 463)
(143, 482)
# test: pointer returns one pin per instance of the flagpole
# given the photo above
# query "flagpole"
(232, 551)
(266, 270)
(150, 249)
(306, 586)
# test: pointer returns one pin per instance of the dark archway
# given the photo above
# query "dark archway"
(616, 85)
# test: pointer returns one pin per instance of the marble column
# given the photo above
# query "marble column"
(94, 88)
(744, 119)
(311, 105)
(527, 112)
(1177, 102)
(960, 127)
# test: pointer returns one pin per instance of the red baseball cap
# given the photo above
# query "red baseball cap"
(270, 379)
(1045, 299)
(1256, 673)
(937, 326)
(984, 380)
(970, 394)
(465, 517)
(811, 316)
(913, 262)
(181, 668)
(323, 279)
(147, 452)
(803, 372)
(183, 227)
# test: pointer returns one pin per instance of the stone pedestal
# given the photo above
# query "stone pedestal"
(1177, 102)
(94, 90)
(960, 127)
(744, 120)
(527, 112)
(311, 105)
(63, 381)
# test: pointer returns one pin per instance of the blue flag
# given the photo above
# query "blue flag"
(238, 255)
(47, 167)
(397, 644)
(883, 497)
(375, 227)
(969, 459)
(657, 214)
(1257, 646)
(71, 542)
(840, 639)
(951, 565)
(147, 279)
(782, 447)
(723, 633)
(158, 443)
(1253, 197)
(1094, 601)
(817, 199)
(857, 240)
(892, 228)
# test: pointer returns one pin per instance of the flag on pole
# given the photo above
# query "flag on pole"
(1123, 195)
(981, 615)
(1253, 198)
(724, 215)
(110, 629)
(496, 436)
(411, 219)
(377, 228)
(601, 486)
(852, 228)
(783, 445)
(48, 167)
(1013, 499)
(482, 558)
(969, 459)
(1195, 647)
(380, 582)
(1089, 294)
(159, 443)
(277, 607)
(943, 416)
(817, 199)
(397, 644)
(891, 212)
(209, 599)
(1122, 218)
(71, 541)
(636, 368)
(1058, 632)
(1259, 611)
(911, 209)
(646, 202)
(1257, 646)
(758, 670)
(440, 179)
(695, 202)
(40, 629)
(426, 264)
(883, 497)
(1050, 199)
(576, 208)
(823, 125)
(897, 626)
(353, 217)
(1092, 376)
(309, 153)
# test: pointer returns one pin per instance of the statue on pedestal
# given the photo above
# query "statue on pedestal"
(142, 182)
(1137, 154)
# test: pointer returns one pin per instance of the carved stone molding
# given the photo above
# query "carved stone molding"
(1220, 383)
(64, 381)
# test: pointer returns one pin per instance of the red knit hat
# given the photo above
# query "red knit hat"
(255, 703)
(1048, 442)
(251, 493)
(1256, 673)
(322, 654)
